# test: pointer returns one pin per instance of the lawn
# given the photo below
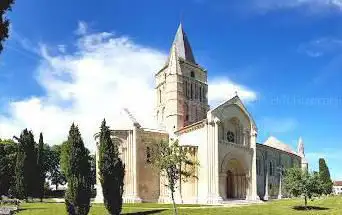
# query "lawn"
(331, 205)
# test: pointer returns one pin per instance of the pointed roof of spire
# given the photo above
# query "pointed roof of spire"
(300, 148)
(182, 45)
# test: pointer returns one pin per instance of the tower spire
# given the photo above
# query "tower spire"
(182, 46)
(300, 148)
(301, 153)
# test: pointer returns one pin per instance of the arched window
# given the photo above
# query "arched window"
(186, 112)
(258, 165)
(203, 94)
(271, 169)
(231, 136)
(192, 74)
(191, 91)
(160, 96)
(196, 114)
(148, 155)
(163, 113)
(200, 93)
(195, 91)
(282, 170)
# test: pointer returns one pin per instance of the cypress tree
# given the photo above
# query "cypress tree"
(40, 175)
(30, 168)
(325, 177)
(20, 186)
(76, 169)
(111, 170)
(26, 166)
(3, 165)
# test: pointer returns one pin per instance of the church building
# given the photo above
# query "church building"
(223, 139)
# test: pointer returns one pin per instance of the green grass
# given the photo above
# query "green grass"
(331, 205)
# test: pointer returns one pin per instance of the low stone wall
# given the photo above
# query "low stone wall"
(9, 206)
(8, 210)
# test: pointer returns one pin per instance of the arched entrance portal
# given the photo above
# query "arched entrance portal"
(236, 183)
(230, 185)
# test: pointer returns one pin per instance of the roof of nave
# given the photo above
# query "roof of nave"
(275, 143)
(337, 183)
(126, 120)
(191, 127)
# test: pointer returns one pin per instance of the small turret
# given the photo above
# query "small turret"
(301, 153)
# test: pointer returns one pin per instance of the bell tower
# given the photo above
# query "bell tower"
(181, 87)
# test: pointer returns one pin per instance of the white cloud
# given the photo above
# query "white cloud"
(106, 74)
(61, 48)
(82, 28)
(221, 89)
(321, 46)
(314, 5)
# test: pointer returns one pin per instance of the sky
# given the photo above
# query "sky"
(80, 61)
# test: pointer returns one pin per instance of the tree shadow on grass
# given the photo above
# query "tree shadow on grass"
(309, 208)
(24, 209)
(145, 212)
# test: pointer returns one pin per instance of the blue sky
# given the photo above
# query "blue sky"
(64, 58)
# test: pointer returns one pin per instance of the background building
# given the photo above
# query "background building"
(337, 187)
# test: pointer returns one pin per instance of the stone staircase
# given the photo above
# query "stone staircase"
(240, 202)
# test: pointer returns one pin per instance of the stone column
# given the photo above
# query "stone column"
(223, 185)
(266, 196)
(244, 187)
(241, 137)
(244, 142)
(236, 134)
(280, 184)
(235, 184)
(131, 189)
(213, 166)
(247, 138)
(253, 177)
(135, 167)
(237, 187)
(240, 186)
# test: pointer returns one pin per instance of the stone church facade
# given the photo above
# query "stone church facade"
(232, 165)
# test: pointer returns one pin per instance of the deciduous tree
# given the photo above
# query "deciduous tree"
(174, 163)
(300, 182)
(54, 170)
(5, 5)
(8, 155)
